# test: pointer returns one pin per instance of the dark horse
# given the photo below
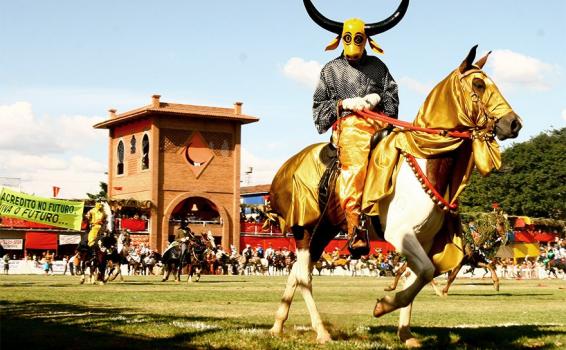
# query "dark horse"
(473, 257)
(96, 257)
(186, 252)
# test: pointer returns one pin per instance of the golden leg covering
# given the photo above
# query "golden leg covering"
(353, 141)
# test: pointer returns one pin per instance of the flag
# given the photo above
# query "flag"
(56, 191)
(49, 211)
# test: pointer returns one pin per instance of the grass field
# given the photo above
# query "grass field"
(228, 312)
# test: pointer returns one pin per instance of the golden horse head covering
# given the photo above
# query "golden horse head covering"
(354, 32)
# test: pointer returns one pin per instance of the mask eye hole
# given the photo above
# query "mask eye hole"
(347, 38)
(358, 39)
(478, 85)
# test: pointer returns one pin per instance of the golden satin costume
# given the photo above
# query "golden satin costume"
(294, 191)
(96, 218)
(352, 138)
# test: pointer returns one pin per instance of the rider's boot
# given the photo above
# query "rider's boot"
(358, 237)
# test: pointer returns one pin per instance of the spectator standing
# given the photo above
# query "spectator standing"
(49, 261)
(77, 263)
(71, 264)
(6, 261)
(65, 263)
(259, 251)
(44, 264)
(247, 252)
(269, 251)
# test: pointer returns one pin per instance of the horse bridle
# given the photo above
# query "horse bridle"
(486, 132)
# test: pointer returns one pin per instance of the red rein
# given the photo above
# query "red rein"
(426, 184)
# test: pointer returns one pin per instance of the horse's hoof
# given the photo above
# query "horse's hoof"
(496, 286)
(276, 331)
(323, 338)
(383, 306)
(405, 335)
(413, 343)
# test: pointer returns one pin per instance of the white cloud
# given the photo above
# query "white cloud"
(306, 73)
(515, 70)
(38, 174)
(24, 132)
(46, 152)
(415, 85)
(263, 170)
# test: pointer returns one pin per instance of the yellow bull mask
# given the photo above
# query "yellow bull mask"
(354, 32)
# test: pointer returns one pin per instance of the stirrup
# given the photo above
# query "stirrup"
(360, 235)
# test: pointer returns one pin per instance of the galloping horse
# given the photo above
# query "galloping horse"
(171, 260)
(474, 257)
(453, 132)
(94, 259)
(187, 252)
(119, 256)
(332, 262)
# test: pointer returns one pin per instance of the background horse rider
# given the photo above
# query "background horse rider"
(96, 218)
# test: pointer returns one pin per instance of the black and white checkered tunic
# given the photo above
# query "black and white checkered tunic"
(340, 79)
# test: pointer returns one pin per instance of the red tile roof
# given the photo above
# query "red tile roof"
(264, 189)
(181, 110)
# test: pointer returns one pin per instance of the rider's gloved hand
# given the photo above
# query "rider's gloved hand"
(354, 104)
(372, 100)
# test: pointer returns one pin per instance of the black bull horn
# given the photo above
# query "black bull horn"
(370, 28)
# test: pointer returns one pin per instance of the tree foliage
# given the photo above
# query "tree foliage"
(102, 194)
(531, 181)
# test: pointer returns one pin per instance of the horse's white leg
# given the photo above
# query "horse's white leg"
(412, 220)
(436, 288)
(282, 312)
(300, 275)
(418, 262)
(404, 330)
(304, 280)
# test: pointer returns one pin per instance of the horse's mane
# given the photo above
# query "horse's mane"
(109, 217)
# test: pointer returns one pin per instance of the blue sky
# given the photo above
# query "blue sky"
(63, 64)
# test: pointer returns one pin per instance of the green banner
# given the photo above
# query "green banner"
(54, 212)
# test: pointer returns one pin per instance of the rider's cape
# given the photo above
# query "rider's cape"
(171, 245)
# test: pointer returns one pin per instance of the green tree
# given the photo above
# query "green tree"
(102, 194)
(531, 181)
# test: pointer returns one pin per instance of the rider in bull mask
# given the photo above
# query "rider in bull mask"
(352, 82)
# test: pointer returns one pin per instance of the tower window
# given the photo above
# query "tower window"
(120, 167)
(145, 152)
(133, 144)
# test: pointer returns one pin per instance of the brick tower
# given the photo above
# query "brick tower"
(183, 161)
